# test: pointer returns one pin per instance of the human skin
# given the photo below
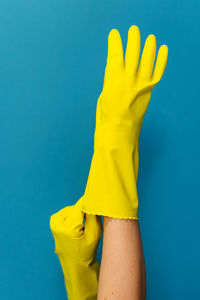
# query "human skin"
(122, 273)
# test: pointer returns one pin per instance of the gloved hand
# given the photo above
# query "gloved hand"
(76, 245)
(111, 188)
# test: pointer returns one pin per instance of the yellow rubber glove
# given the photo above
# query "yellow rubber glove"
(76, 245)
(111, 188)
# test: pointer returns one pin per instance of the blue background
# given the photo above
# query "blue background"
(52, 59)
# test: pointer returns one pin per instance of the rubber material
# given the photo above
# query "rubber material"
(111, 189)
(76, 245)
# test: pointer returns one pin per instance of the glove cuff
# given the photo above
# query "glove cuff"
(111, 188)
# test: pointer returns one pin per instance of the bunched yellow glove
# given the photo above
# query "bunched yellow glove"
(111, 188)
(76, 245)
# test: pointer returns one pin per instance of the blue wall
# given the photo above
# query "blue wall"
(52, 59)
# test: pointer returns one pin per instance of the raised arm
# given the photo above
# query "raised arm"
(111, 190)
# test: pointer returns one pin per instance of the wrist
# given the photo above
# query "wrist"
(116, 134)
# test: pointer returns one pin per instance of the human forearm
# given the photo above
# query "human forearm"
(122, 273)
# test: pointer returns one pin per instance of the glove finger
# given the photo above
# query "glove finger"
(115, 49)
(148, 57)
(160, 64)
(115, 60)
(132, 50)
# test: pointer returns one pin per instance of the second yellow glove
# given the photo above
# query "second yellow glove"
(76, 245)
